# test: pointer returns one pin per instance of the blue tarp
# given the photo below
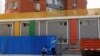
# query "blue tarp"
(25, 44)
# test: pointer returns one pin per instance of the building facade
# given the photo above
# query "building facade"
(14, 6)
(61, 28)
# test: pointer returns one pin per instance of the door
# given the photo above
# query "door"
(89, 28)
(24, 28)
(59, 28)
(6, 29)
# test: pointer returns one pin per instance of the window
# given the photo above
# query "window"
(49, 9)
(37, 6)
(63, 23)
(25, 24)
(10, 5)
(56, 2)
(49, 1)
(84, 22)
(9, 25)
(74, 3)
(59, 2)
(53, 1)
(15, 5)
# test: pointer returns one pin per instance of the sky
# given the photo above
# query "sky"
(90, 4)
(2, 2)
(93, 4)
